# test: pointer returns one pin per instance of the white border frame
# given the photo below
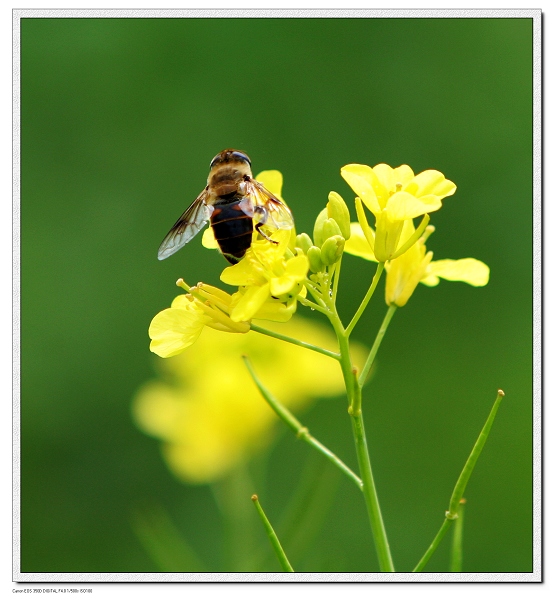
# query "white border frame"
(61, 578)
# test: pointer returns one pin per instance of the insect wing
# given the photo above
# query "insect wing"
(188, 225)
(264, 207)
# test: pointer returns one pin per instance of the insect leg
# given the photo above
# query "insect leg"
(261, 217)
(257, 228)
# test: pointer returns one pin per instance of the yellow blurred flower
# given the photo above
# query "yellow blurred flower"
(209, 414)
(395, 196)
(416, 265)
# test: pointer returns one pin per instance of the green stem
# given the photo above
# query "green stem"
(456, 499)
(456, 551)
(317, 296)
(370, 496)
(434, 545)
(366, 299)
(286, 338)
(274, 540)
(354, 392)
(460, 486)
(313, 306)
(301, 432)
(376, 344)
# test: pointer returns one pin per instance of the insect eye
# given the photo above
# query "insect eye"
(215, 161)
(241, 156)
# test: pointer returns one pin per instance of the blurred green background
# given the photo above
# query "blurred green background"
(119, 121)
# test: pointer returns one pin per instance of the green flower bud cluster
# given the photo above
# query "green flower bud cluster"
(331, 230)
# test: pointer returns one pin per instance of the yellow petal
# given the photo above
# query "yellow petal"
(407, 231)
(183, 301)
(266, 252)
(431, 182)
(274, 310)
(174, 329)
(250, 303)
(297, 267)
(430, 280)
(385, 173)
(245, 272)
(403, 205)
(281, 285)
(296, 270)
(272, 181)
(404, 274)
(367, 186)
(469, 270)
(358, 245)
(208, 239)
(403, 175)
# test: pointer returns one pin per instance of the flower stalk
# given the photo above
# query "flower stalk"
(301, 432)
(272, 536)
(373, 352)
(452, 514)
(290, 340)
(456, 552)
(370, 495)
(354, 393)
(461, 484)
(446, 524)
(366, 299)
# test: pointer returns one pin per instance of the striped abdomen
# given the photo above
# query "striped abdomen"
(232, 229)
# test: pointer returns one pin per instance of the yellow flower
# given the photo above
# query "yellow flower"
(176, 328)
(266, 273)
(208, 413)
(395, 196)
(406, 271)
(416, 265)
(269, 286)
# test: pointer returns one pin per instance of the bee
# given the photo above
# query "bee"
(235, 204)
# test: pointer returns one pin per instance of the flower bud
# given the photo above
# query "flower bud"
(314, 256)
(332, 249)
(304, 242)
(318, 228)
(338, 210)
(330, 228)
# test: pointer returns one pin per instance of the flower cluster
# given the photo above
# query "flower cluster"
(276, 272)
(269, 280)
(395, 197)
